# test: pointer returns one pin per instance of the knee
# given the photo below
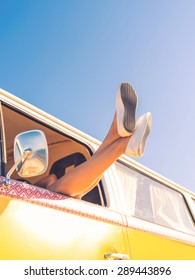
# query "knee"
(51, 180)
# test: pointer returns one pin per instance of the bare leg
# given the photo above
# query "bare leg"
(82, 178)
(77, 182)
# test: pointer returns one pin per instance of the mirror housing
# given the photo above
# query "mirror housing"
(34, 145)
(30, 155)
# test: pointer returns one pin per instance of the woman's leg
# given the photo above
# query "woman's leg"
(85, 176)
(81, 179)
(133, 145)
(78, 181)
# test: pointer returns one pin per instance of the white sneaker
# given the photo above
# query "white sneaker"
(126, 105)
(137, 141)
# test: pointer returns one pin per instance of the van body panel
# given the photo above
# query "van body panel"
(150, 246)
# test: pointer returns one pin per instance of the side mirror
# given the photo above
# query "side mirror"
(33, 145)
(30, 155)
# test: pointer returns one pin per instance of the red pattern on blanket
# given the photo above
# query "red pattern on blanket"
(19, 189)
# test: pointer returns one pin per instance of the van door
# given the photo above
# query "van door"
(38, 224)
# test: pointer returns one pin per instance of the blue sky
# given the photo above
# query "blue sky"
(67, 57)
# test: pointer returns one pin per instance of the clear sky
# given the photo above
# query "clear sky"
(67, 57)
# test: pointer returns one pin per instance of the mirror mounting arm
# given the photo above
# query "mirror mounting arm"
(27, 153)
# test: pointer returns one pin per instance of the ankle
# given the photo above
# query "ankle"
(122, 144)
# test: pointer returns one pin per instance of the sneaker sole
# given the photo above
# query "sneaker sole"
(129, 99)
(145, 136)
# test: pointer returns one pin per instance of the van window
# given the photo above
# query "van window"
(1, 158)
(152, 201)
(64, 152)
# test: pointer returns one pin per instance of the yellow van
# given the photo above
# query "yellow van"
(132, 213)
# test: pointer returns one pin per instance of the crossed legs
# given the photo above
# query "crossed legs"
(84, 177)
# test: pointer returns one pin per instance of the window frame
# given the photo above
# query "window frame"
(153, 179)
(101, 190)
(3, 158)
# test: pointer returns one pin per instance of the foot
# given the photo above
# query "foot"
(126, 104)
(137, 141)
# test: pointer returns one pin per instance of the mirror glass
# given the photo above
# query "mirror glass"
(33, 143)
